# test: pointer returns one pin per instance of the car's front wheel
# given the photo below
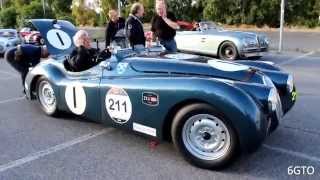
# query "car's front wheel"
(204, 137)
(46, 97)
(228, 51)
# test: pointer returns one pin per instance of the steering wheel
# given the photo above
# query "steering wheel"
(103, 55)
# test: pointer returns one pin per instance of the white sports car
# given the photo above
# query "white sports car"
(8, 38)
(211, 39)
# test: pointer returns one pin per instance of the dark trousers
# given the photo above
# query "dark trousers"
(20, 66)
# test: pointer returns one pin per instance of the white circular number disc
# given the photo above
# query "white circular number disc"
(76, 98)
(59, 39)
(227, 66)
(118, 105)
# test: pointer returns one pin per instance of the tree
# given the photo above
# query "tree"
(84, 15)
(8, 17)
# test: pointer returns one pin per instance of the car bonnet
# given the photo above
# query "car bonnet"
(57, 35)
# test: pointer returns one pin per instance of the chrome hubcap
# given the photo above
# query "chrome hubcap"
(206, 137)
(47, 96)
(229, 52)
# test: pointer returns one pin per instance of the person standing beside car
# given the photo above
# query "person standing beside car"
(164, 26)
(115, 24)
(134, 28)
(24, 56)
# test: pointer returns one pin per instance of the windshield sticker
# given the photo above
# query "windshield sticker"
(227, 66)
(118, 105)
(59, 39)
(76, 98)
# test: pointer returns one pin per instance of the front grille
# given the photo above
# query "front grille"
(262, 42)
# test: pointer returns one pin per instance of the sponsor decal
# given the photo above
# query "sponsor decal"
(150, 98)
(145, 129)
(122, 67)
(118, 105)
(76, 98)
(59, 39)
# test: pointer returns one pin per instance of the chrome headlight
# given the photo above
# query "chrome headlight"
(273, 99)
(266, 40)
(290, 83)
(250, 42)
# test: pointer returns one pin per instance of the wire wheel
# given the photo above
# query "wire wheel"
(47, 97)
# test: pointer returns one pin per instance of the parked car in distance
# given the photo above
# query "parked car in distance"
(31, 36)
(8, 38)
(213, 40)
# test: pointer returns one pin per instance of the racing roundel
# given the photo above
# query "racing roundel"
(59, 39)
(76, 98)
(118, 105)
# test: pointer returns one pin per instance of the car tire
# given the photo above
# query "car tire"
(46, 97)
(228, 51)
(209, 126)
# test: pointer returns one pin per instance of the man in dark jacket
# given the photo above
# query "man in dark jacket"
(22, 57)
(115, 24)
(134, 28)
(164, 26)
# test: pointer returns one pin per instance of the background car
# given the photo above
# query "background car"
(211, 39)
(34, 38)
(210, 109)
(8, 38)
(25, 32)
(30, 35)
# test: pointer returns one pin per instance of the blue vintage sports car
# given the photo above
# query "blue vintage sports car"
(210, 109)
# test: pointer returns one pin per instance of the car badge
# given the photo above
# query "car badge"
(150, 99)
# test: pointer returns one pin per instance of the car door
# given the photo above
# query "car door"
(209, 42)
(122, 94)
(189, 41)
(80, 93)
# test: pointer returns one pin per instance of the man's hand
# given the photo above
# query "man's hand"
(172, 24)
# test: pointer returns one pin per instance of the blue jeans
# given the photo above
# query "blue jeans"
(139, 48)
(170, 45)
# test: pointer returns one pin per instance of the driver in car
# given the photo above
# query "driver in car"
(84, 56)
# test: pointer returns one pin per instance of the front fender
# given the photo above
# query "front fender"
(245, 115)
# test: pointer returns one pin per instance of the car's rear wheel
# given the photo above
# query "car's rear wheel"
(46, 97)
(228, 51)
(204, 136)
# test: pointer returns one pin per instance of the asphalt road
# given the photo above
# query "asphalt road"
(34, 146)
